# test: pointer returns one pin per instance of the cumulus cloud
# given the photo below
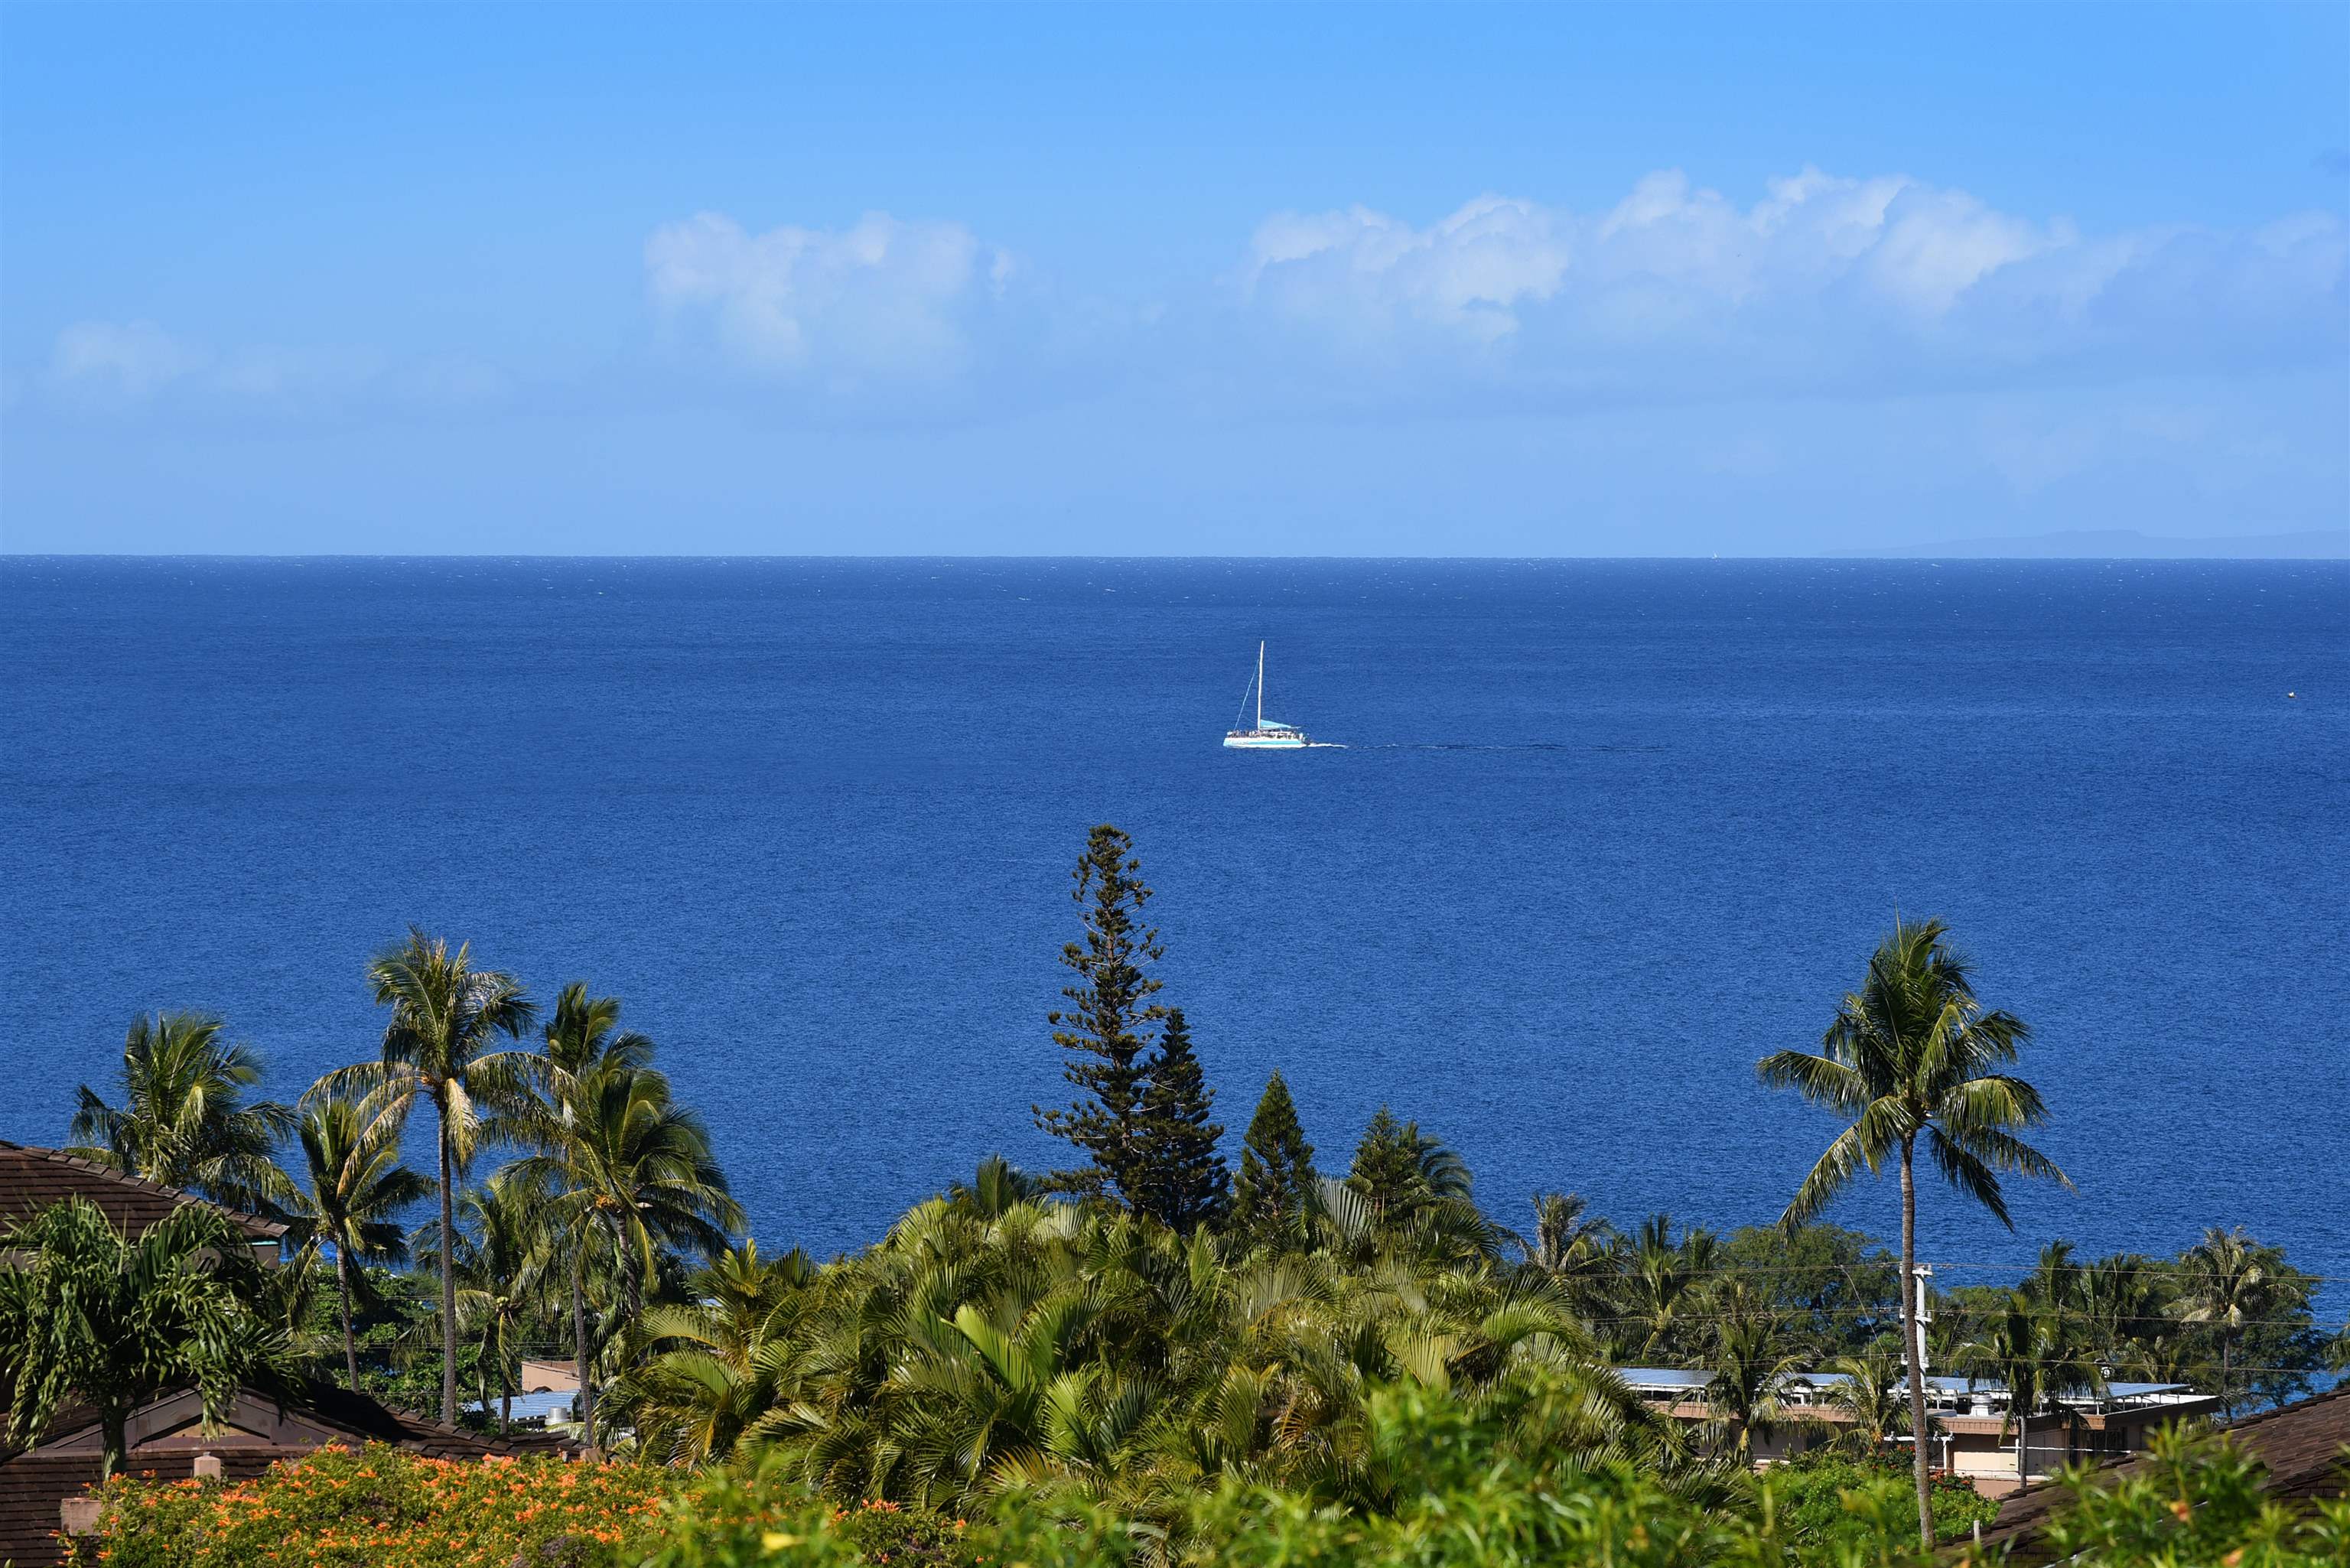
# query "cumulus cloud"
(882, 300)
(117, 368)
(1826, 283)
(119, 362)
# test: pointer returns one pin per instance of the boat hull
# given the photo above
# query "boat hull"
(1241, 741)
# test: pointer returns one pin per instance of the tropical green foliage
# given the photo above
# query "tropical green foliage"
(503, 1249)
(2167, 1320)
(2227, 1282)
(184, 1120)
(1472, 1488)
(2197, 1501)
(1144, 1359)
(1914, 1057)
(1808, 1499)
(633, 1183)
(988, 1345)
(438, 1049)
(1471, 1491)
(352, 1190)
(2037, 1350)
(88, 1315)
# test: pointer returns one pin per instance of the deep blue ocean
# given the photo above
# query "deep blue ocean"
(1603, 833)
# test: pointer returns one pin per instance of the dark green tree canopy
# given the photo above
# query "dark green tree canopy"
(1386, 1170)
(1276, 1165)
(1184, 1182)
(1400, 1170)
(1108, 1025)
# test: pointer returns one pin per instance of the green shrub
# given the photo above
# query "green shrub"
(1807, 1494)
(2196, 1502)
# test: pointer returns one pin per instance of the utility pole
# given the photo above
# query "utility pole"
(1921, 1278)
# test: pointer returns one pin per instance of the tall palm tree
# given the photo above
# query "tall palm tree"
(437, 1049)
(1911, 1056)
(632, 1177)
(2225, 1281)
(183, 1120)
(2035, 1347)
(583, 1038)
(353, 1187)
(503, 1248)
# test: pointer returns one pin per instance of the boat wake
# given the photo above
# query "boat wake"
(1495, 746)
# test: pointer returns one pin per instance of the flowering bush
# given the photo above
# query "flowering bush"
(383, 1506)
(880, 1531)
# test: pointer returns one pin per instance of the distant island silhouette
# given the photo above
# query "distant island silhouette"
(2124, 545)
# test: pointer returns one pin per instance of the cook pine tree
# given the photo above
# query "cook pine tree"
(1276, 1166)
(1386, 1167)
(1108, 1027)
(1182, 1180)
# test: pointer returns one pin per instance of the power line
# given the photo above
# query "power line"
(2153, 1266)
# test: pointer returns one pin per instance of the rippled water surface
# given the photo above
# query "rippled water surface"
(1601, 834)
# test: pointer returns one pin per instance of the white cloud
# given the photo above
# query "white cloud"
(880, 300)
(119, 362)
(1826, 283)
(118, 369)
(1361, 270)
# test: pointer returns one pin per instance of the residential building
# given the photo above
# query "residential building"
(1971, 1436)
(43, 1490)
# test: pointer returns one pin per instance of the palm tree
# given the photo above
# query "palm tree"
(183, 1121)
(1913, 1056)
(2120, 1306)
(632, 1176)
(718, 1366)
(1752, 1361)
(85, 1315)
(353, 1185)
(2033, 1346)
(584, 1036)
(1571, 1247)
(1665, 1277)
(503, 1249)
(2225, 1281)
(1870, 1392)
(437, 1049)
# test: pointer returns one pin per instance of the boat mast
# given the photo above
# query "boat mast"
(1260, 685)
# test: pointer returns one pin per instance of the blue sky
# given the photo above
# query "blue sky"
(1126, 280)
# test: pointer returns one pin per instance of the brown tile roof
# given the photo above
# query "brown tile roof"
(263, 1429)
(31, 1179)
(2302, 1445)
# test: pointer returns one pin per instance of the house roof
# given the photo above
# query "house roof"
(2301, 1443)
(260, 1430)
(31, 1179)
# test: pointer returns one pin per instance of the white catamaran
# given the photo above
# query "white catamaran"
(1270, 734)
